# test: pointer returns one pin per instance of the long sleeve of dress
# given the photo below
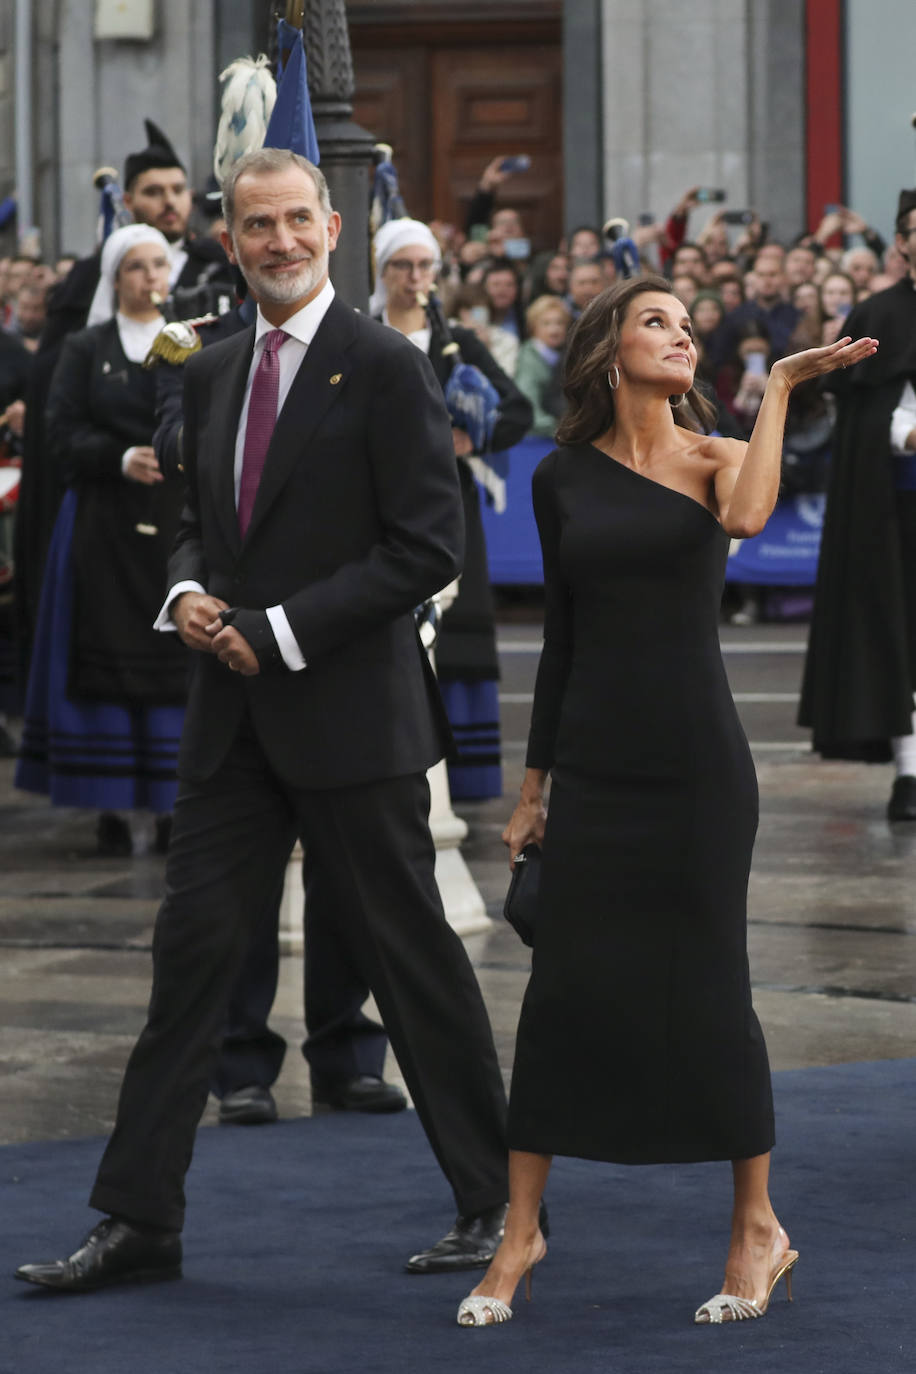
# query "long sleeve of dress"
(556, 655)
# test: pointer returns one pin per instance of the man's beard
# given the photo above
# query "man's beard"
(286, 289)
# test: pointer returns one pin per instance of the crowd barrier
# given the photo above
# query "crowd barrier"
(784, 555)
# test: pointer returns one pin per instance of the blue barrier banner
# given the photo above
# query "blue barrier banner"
(784, 555)
(513, 547)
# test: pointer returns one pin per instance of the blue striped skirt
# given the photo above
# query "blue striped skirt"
(104, 755)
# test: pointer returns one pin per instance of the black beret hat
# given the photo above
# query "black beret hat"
(158, 153)
(906, 203)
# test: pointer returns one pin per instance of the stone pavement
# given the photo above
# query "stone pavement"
(832, 915)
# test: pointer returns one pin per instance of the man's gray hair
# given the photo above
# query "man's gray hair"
(261, 163)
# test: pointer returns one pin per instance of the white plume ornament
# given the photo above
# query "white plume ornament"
(248, 99)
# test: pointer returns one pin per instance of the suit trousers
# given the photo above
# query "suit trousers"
(342, 1041)
(371, 843)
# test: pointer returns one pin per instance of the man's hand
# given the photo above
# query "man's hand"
(233, 649)
(142, 466)
(195, 615)
(14, 417)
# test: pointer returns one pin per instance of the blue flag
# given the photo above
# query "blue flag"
(291, 124)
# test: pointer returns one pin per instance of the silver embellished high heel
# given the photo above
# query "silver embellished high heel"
(725, 1307)
(484, 1311)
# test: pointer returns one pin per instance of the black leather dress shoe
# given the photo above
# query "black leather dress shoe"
(367, 1093)
(250, 1106)
(470, 1244)
(113, 1252)
(902, 805)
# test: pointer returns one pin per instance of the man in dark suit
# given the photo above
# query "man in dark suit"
(344, 1049)
(306, 542)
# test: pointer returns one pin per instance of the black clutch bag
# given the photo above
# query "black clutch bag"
(520, 908)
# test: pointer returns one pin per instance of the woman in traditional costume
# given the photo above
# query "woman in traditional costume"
(105, 697)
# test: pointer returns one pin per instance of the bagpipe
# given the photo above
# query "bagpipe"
(623, 251)
(113, 213)
(472, 402)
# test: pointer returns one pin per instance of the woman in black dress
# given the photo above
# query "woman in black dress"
(640, 959)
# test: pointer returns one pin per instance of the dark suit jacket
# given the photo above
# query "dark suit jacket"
(357, 519)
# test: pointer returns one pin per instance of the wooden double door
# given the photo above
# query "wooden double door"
(449, 108)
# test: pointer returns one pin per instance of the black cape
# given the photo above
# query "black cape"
(857, 691)
(100, 405)
(40, 488)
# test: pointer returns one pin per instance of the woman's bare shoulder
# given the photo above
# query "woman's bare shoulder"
(722, 453)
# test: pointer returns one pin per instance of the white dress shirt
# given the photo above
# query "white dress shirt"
(179, 258)
(136, 340)
(301, 329)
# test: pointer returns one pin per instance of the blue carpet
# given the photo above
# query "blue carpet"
(296, 1235)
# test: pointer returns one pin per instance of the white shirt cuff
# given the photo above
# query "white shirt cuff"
(164, 619)
(286, 640)
(125, 459)
(903, 420)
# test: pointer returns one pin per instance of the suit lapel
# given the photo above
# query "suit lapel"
(319, 384)
(226, 397)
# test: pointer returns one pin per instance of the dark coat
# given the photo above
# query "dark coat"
(858, 689)
(100, 405)
(466, 650)
(357, 520)
(40, 490)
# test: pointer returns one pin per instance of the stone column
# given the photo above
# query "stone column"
(464, 906)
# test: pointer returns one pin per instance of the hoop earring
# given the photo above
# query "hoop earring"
(675, 405)
(616, 384)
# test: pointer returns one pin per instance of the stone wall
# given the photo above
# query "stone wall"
(707, 93)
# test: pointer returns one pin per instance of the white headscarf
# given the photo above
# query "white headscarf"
(390, 239)
(105, 301)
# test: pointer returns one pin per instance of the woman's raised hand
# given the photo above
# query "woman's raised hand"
(815, 362)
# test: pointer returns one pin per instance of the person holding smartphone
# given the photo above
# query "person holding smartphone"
(838, 294)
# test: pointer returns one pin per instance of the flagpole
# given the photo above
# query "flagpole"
(346, 149)
(23, 121)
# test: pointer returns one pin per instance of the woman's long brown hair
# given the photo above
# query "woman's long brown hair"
(591, 353)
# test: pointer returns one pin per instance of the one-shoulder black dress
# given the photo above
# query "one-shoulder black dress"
(637, 1041)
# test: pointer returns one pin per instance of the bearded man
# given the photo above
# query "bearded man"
(323, 505)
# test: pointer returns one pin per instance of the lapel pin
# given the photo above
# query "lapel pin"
(338, 376)
(106, 367)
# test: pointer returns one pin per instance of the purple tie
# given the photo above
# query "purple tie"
(262, 416)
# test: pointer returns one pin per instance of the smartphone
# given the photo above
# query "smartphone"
(831, 209)
(756, 364)
(479, 233)
(844, 309)
(646, 217)
(517, 248)
(737, 217)
(515, 164)
(709, 193)
(480, 315)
